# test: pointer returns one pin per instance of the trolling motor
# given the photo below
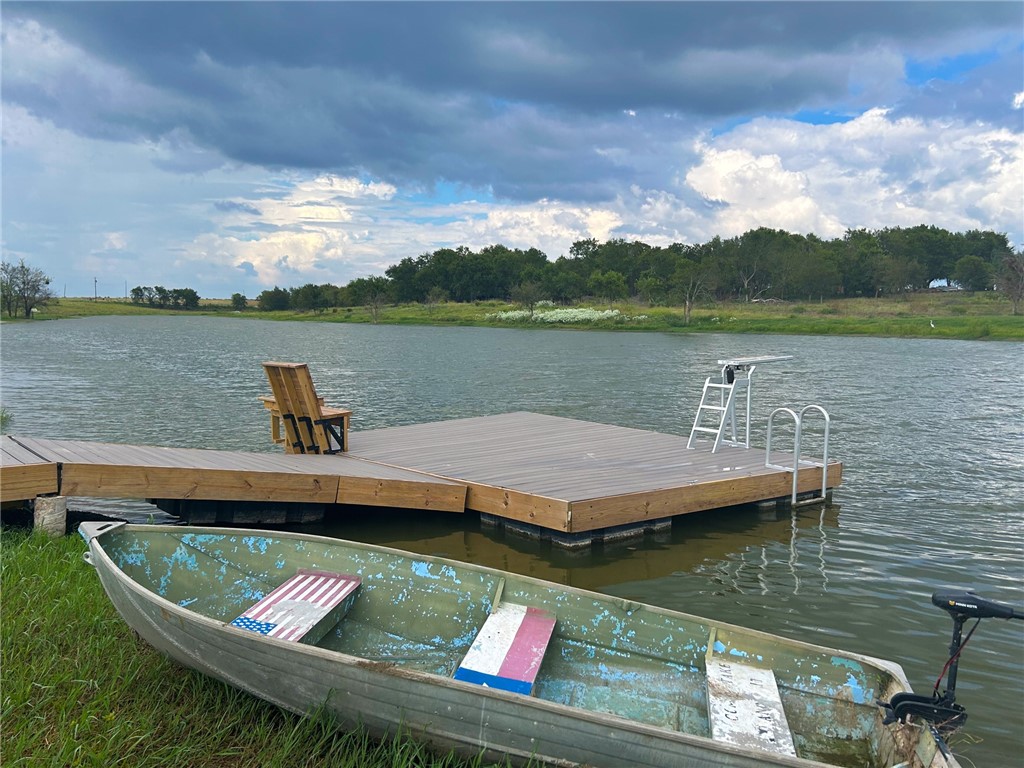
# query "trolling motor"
(942, 711)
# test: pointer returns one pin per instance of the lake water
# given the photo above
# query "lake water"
(931, 434)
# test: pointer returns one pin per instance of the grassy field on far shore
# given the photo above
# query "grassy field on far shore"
(940, 315)
(79, 689)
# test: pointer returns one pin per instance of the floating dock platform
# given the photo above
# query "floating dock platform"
(573, 477)
(547, 476)
(560, 476)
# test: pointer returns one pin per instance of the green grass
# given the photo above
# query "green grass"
(79, 689)
(953, 315)
(63, 309)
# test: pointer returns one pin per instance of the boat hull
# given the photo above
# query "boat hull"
(386, 698)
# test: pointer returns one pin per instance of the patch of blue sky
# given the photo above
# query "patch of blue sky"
(821, 117)
(949, 68)
(808, 116)
(728, 126)
(449, 193)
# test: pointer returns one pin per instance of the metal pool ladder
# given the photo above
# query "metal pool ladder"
(798, 418)
(714, 418)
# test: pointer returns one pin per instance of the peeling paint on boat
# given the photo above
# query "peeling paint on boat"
(257, 543)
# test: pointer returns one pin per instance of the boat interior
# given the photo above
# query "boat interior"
(602, 654)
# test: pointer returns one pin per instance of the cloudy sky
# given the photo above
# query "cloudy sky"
(231, 147)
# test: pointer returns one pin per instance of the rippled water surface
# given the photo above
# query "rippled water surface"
(931, 434)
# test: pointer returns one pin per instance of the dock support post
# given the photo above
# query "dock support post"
(50, 514)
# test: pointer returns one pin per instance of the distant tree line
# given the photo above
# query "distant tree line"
(373, 292)
(163, 298)
(23, 289)
(762, 264)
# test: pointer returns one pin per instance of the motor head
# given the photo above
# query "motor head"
(972, 606)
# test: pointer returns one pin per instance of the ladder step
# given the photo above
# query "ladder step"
(705, 429)
(713, 408)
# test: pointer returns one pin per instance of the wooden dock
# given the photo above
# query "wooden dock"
(576, 476)
(560, 476)
(34, 467)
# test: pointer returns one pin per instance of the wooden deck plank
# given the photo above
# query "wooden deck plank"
(26, 481)
(444, 497)
(24, 474)
(132, 481)
(13, 453)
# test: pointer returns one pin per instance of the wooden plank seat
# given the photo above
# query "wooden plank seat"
(309, 425)
(745, 709)
(304, 608)
(509, 648)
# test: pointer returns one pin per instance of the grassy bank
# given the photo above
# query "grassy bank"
(952, 315)
(79, 689)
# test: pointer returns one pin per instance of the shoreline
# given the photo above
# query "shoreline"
(960, 315)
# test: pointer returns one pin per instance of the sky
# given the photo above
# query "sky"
(234, 147)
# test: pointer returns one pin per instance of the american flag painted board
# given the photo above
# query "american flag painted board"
(509, 648)
(302, 609)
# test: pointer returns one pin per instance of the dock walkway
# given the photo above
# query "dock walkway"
(32, 467)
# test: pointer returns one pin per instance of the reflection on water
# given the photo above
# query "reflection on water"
(735, 547)
(930, 432)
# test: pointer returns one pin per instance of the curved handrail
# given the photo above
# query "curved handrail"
(796, 445)
(824, 453)
(798, 419)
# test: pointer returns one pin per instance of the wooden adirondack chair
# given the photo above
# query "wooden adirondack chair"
(309, 425)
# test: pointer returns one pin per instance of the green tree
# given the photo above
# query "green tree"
(860, 263)
(562, 282)
(527, 295)
(183, 298)
(651, 288)
(610, 285)
(436, 295)
(161, 297)
(239, 302)
(404, 279)
(309, 298)
(900, 275)
(973, 274)
(1011, 278)
(370, 292)
(23, 288)
(756, 260)
(690, 281)
(931, 248)
(274, 300)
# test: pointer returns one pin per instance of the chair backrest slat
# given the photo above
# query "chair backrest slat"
(299, 405)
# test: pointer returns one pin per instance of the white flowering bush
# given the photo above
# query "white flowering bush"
(577, 315)
(564, 316)
(511, 316)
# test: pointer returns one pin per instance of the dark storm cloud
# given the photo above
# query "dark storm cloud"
(526, 98)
